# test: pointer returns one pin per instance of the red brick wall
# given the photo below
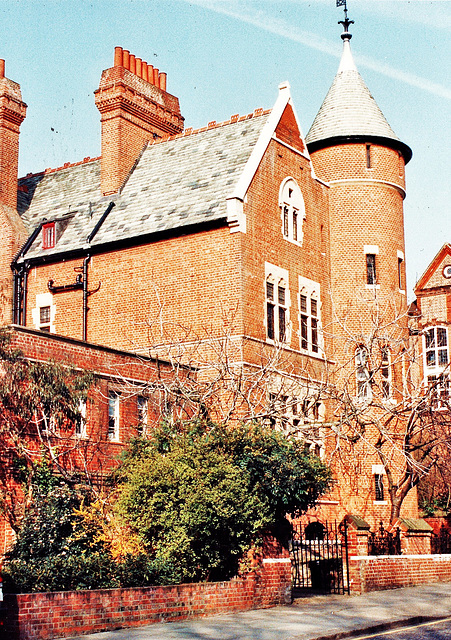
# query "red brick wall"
(54, 615)
(12, 114)
(114, 370)
(392, 572)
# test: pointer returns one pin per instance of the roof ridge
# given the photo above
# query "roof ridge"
(187, 132)
(212, 125)
(66, 165)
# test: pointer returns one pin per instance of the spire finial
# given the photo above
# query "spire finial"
(346, 22)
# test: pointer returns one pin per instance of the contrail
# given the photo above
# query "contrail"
(281, 28)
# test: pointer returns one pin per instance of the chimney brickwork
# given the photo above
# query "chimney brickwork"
(135, 108)
(12, 229)
(12, 114)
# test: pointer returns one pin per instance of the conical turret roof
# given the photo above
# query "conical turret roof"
(349, 112)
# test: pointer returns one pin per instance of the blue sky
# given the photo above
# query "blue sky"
(229, 56)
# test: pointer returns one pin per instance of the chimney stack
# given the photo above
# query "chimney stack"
(13, 232)
(12, 114)
(135, 108)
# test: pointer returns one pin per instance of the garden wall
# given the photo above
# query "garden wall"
(42, 616)
(375, 573)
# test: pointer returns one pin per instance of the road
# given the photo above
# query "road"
(440, 630)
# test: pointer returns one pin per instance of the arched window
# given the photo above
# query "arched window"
(292, 209)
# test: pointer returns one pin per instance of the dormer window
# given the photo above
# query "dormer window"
(292, 209)
(48, 235)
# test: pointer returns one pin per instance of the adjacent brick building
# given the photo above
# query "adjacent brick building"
(239, 247)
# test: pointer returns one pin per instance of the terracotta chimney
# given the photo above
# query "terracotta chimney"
(12, 114)
(13, 232)
(133, 111)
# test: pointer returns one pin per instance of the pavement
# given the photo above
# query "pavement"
(329, 617)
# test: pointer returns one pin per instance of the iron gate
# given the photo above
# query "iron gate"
(319, 558)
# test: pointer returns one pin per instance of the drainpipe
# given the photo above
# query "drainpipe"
(24, 299)
(16, 295)
(85, 296)
(86, 260)
(20, 280)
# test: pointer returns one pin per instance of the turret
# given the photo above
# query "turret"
(135, 108)
(354, 149)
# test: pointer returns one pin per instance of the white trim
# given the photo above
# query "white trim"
(277, 274)
(371, 248)
(378, 470)
(293, 149)
(311, 289)
(266, 135)
(236, 217)
(371, 181)
(276, 560)
(44, 300)
(296, 207)
(400, 254)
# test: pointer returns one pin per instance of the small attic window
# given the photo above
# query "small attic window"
(48, 235)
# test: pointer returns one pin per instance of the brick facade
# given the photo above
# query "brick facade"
(177, 242)
(42, 616)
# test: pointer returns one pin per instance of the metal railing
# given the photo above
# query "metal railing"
(441, 541)
(384, 543)
(319, 556)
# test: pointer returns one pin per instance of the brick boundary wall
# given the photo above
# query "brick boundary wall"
(42, 616)
(376, 573)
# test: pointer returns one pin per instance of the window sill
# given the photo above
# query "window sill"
(298, 243)
(372, 286)
(381, 503)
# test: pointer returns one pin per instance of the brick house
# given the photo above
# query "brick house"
(243, 238)
(433, 313)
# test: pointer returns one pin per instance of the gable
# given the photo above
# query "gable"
(287, 130)
(434, 277)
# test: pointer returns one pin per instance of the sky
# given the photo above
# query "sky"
(225, 57)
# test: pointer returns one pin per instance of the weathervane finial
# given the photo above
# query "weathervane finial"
(346, 22)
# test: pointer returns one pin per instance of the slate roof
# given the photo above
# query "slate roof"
(350, 111)
(177, 182)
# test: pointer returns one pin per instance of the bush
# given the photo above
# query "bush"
(199, 496)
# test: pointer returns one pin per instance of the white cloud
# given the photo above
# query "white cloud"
(280, 27)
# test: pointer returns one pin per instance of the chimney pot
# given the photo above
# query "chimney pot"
(144, 71)
(126, 59)
(118, 56)
(155, 76)
(163, 81)
(150, 73)
(138, 67)
(132, 63)
(2, 68)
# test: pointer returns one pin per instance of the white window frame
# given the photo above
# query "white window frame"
(371, 249)
(292, 211)
(437, 373)
(308, 320)
(386, 373)
(401, 271)
(278, 277)
(364, 392)
(142, 406)
(378, 472)
(44, 300)
(113, 416)
(81, 426)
